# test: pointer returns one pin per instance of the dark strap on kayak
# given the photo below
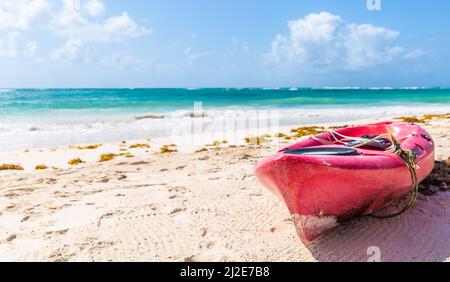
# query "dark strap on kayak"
(323, 151)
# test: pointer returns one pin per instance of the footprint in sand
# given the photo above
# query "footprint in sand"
(11, 206)
(104, 180)
(105, 216)
(57, 232)
(214, 178)
(61, 254)
(122, 177)
(55, 209)
(177, 210)
(25, 218)
(46, 181)
(207, 244)
(203, 231)
(206, 256)
(10, 195)
(11, 237)
(179, 190)
(140, 163)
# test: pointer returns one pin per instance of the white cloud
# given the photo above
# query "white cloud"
(22, 14)
(325, 41)
(415, 54)
(124, 61)
(245, 47)
(9, 44)
(72, 24)
(94, 7)
(69, 51)
(192, 56)
(30, 48)
(238, 46)
(122, 27)
(73, 20)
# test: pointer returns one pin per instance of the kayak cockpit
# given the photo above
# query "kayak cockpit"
(323, 150)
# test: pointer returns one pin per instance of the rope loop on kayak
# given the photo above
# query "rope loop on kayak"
(409, 158)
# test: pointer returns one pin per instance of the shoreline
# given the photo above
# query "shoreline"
(191, 206)
(59, 156)
(59, 129)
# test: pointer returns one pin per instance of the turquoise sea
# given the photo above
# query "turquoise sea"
(45, 117)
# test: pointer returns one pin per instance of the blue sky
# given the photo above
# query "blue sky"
(227, 43)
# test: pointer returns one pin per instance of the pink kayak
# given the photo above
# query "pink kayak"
(334, 176)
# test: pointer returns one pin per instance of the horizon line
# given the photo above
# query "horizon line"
(245, 87)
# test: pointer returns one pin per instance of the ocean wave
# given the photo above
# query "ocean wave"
(46, 131)
(415, 88)
(336, 88)
(381, 88)
(398, 88)
(374, 88)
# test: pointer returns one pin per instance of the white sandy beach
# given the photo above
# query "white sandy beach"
(145, 205)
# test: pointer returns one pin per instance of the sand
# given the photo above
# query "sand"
(181, 206)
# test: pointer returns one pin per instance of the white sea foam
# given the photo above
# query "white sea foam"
(374, 88)
(336, 88)
(70, 128)
(6, 90)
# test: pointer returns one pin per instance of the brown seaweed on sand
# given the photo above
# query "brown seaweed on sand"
(307, 130)
(280, 135)
(107, 157)
(424, 119)
(258, 140)
(168, 149)
(201, 150)
(217, 143)
(89, 147)
(41, 167)
(139, 145)
(76, 161)
(439, 178)
(10, 167)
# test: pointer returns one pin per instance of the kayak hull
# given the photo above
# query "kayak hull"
(323, 191)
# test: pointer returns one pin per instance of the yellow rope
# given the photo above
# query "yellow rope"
(409, 158)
